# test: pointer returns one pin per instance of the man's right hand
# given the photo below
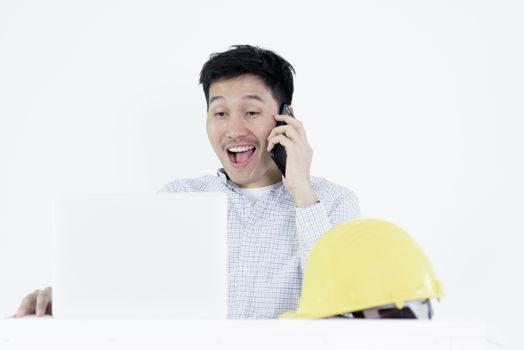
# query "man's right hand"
(39, 302)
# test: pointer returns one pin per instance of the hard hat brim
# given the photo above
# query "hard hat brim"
(291, 315)
(297, 315)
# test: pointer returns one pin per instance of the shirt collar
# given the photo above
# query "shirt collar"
(221, 173)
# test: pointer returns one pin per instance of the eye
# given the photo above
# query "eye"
(220, 114)
(252, 113)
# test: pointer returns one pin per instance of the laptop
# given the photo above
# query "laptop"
(141, 256)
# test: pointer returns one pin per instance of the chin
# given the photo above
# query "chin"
(241, 180)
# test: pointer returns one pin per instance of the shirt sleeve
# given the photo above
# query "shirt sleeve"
(312, 222)
(173, 186)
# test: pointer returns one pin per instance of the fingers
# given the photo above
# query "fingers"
(295, 123)
(283, 140)
(294, 131)
(43, 301)
(28, 305)
(285, 130)
(38, 302)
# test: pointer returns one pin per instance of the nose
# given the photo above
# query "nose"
(236, 126)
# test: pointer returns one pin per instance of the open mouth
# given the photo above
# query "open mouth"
(239, 156)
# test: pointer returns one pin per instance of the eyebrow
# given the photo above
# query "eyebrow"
(246, 97)
(253, 97)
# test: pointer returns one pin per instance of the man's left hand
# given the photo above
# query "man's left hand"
(299, 155)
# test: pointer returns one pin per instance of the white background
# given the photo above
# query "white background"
(415, 105)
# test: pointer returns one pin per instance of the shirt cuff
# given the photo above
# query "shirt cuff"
(312, 222)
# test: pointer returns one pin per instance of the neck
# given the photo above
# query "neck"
(272, 177)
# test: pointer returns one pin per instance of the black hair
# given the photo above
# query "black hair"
(276, 72)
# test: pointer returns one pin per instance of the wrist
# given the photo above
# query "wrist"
(304, 196)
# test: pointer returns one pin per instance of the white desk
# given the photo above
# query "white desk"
(49, 333)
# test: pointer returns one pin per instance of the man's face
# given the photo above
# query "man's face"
(239, 120)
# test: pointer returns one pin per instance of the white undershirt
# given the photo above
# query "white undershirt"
(254, 194)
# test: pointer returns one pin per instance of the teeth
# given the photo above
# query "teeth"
(240, 149)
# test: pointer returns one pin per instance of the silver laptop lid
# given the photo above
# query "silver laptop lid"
(141, 256)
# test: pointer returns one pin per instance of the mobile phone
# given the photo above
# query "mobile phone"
(278, 153)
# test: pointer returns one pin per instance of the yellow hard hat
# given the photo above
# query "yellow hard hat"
(363, 264)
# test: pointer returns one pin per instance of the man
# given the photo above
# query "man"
(273, 222)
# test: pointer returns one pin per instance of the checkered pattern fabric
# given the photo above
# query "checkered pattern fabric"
(269, 240)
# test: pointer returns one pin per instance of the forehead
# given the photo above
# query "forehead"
(246, 84)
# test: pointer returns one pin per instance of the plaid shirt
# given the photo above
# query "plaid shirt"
(269, 240)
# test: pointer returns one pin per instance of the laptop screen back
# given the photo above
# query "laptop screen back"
(141, 256)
